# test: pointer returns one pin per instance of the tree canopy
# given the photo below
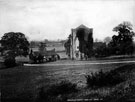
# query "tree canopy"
(15, 42)
(123, 42)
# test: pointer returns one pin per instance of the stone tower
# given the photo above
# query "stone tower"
(81, 42)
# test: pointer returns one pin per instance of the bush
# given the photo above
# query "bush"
(100, 79)
(57, 92)
(9, 62)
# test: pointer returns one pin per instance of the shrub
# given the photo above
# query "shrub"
(57, 92)
(9, 62)
(64, 87)
(100, 79)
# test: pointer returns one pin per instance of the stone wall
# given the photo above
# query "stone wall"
(81, 42)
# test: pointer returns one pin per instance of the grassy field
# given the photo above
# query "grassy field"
(23, 82)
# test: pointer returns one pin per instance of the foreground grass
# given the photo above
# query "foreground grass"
(23, 83)
(122, 92)
(118, 92)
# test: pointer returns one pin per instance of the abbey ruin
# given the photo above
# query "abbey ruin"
(80, 43)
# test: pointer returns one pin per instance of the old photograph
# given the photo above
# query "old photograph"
(67, 50)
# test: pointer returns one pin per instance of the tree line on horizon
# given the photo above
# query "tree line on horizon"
(121, 44)
(17, 44)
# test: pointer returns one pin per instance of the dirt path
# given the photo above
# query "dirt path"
(70, 62)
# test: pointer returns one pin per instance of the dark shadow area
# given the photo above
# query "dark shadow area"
(85, 41)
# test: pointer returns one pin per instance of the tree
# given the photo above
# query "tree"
(42, 47)
(16, 43)
(46, 40)
(107, 39)
(123, 42)
(67, 45)
(100, 49)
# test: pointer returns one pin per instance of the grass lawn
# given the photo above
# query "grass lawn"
(23, 82)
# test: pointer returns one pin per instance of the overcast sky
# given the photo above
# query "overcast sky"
(53, 19)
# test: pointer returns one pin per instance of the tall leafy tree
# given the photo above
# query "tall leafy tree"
(16, 43)
(67, 45)
(123, 42)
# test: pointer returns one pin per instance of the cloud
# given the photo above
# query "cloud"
(41, 19)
